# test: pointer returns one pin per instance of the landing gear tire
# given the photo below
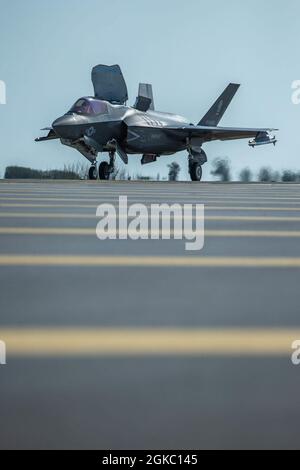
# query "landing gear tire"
(195, 171)
(104, 171)
(92, 173)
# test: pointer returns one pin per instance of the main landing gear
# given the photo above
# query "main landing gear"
(196, 160)
(195, 170)
(105, 169)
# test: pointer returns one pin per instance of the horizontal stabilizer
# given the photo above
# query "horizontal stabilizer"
(216, 112)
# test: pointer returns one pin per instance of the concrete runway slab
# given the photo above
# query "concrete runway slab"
(245, 280)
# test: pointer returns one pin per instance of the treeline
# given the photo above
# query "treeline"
(78, 171)
(71, 172)
(286, 176)
(221, 169)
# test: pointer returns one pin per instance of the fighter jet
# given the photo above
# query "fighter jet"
(105, 123)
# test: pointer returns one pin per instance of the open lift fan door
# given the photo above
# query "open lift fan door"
(109, 84)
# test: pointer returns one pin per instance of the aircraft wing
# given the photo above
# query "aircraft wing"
(208, 134)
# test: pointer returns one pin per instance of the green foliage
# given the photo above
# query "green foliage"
(246, 175)
(142, 178)
(289, 176)
(174, 170)
(15, 172)
(73, 172)
(267, 175)
(221, 169)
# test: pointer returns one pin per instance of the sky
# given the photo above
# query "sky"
(189, 50)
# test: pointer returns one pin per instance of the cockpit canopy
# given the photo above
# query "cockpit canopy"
(89, 107)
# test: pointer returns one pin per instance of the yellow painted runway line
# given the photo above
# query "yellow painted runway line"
(74, 215)
(64, 342)
(70, 231)
(149, 261)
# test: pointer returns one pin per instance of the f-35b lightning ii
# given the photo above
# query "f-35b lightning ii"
(105, 123)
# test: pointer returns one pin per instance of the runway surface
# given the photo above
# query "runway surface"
(126, 344)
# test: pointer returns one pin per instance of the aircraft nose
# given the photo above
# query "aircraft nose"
(65, 127)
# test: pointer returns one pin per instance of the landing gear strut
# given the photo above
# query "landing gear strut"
(105, 169)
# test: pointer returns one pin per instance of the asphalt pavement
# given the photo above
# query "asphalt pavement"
(140, 344)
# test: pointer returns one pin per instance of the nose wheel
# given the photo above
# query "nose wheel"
(105, 169)
(93, 172)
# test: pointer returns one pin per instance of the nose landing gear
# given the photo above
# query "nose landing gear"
(93, 172)
(105, 169)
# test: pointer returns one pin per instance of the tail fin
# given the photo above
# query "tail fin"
(216, 112)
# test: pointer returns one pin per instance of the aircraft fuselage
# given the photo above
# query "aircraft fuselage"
(138, 132)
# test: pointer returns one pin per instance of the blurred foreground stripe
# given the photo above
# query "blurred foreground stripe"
(70, 231)
(147, 261)
(148, 342)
